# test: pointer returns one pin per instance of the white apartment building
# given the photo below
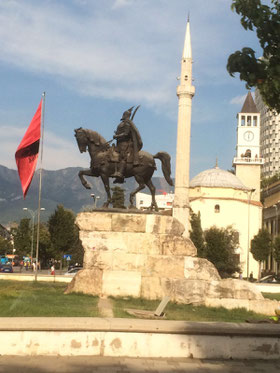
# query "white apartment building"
(269, 138)
(164, 201)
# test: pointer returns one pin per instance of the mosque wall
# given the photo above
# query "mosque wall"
(222, 213)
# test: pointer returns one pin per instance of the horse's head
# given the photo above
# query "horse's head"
(81, 139)
(88, 138)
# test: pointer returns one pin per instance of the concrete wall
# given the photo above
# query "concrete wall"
(268, 288)
(137, 338)
(31, 277)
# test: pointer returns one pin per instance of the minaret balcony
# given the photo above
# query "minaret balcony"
(248, 160)
(185, 90)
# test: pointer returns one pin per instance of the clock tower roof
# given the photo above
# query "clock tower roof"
(249, 105)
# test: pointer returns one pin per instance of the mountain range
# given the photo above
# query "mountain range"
(58, 187)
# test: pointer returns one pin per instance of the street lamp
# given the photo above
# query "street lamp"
(276, 219)
(275, 229)
(33, 214)
(95, 198)
(249, 195)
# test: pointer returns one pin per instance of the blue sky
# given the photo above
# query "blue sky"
(96, 58)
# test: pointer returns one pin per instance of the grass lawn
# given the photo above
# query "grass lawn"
(272, 296)
(38, 299)
(176, 311)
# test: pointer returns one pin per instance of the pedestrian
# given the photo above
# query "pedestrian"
(240, 276)
(251, 277)
(52, 270)
(33, 267)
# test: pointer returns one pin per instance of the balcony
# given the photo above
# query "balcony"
(246, 160)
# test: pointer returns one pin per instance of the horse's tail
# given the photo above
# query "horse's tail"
(165, 165)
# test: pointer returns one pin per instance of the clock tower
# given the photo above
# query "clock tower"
(248, 162)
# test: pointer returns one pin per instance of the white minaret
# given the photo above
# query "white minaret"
(185, 93)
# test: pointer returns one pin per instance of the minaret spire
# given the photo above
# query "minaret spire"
(187, 51)
(185, 93)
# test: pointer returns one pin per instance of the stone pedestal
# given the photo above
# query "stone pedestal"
(146, 255)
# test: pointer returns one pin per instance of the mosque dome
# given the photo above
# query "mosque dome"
(217, 178)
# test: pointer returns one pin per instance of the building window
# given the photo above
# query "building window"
(141, 202)
(255, 121)
(243, 120)
(217, 209)
(249, 120)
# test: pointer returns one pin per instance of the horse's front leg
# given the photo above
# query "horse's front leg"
(87, 172)
(106, 183)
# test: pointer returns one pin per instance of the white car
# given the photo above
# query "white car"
(73, 271)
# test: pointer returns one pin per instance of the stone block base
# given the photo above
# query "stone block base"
(142, 255)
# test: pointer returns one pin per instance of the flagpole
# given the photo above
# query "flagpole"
(40, 181)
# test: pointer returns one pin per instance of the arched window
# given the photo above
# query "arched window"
(217, 209)
(248, 153)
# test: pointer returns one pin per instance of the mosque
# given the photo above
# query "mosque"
(222, 198)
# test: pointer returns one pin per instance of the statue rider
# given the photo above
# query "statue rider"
(129, 143)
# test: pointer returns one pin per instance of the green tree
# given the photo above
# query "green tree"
(118, 197)
(77, 250)
(263, 73)
(5, 246)
(196, 234)
(276, 249)
(46, 250)
(270, 180)
(220, 247)
(22, 237)
(64, 234)
(261, 246)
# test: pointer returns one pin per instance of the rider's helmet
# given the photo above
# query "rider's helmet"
(127, 114)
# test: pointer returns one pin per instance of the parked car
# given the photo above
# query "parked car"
(74, 266)
(270, 279)
(73, 271)
(6, 268)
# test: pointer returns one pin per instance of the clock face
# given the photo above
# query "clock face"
(248, 136)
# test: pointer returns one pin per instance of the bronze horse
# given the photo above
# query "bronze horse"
(103, 163)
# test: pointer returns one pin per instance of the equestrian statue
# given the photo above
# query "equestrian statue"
(123, 160)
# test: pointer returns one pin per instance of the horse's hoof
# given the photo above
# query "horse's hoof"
(87, 186)
(132, 207)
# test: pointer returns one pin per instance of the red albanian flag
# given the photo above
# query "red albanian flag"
(28, 150)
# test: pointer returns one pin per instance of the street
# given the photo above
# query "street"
(85, 364)
(17, 269)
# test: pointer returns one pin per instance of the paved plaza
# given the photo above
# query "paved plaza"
(46, 364)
